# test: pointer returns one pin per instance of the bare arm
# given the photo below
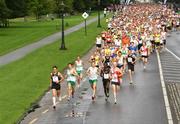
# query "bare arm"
(60, 75)
(50, 84)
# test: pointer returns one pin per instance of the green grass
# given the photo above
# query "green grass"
(23, 81)
(22, 33)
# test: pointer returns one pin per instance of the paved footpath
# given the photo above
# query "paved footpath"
(21, 52)
(141, 103)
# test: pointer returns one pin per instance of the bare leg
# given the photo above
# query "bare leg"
(94, 89)
(59, 95)
(130, 76)
(69, 91)
(114, 88)
(54, 97)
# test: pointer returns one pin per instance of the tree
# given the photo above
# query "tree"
(39, 7)
(18, 7)
(68, 8)
(4, 13)
(79, 5)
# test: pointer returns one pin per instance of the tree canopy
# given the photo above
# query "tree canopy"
(22, 8)
(4, 14)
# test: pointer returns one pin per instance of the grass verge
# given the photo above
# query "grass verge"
(23, 81)
(22, 33)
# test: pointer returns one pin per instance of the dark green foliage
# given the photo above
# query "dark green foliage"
(22, 8)
(18, 7)
(4, 14)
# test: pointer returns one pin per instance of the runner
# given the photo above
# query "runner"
(105, 74)
(130, 63)
(124, 52)
(149, 45)
(117, 42)
(98, 42)
(120, 61)
(144, 54)
(71, 80)
(107, 50)
(107, 60)
(55, 80)
(92, 73)
(140, 44)
(163, 38)
(79, 69)
(116, 79)
(95, 58)
(152, 39)
(133, 48)
(157, 41)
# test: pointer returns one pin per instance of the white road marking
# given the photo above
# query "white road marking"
(63, 97)
(166, 100)
(45, 111)
(33, 121)
(173, 54)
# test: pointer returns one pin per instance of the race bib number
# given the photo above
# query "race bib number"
(129, 59)
(114, 78)
(73, 78)
(79, 69)
(55, 78)
(106, 76)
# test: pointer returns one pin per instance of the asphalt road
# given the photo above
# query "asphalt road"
(170, 61)
(173, 43)
(141, 103)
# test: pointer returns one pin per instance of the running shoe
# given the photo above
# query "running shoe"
(93, 98)
(115, 101)
(144, 67)
(131, 82)
(60, 99)
(68, 98)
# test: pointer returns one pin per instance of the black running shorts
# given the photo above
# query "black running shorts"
(56, 86)
(131, 67)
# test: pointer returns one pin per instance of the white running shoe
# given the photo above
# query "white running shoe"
(60, 99)
(131, 82)
(144, 67)
(115, 101)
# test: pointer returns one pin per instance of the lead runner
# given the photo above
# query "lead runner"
(55, 79)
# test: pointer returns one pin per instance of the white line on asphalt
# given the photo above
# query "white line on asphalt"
(45, 111)
(34, 120)
(173, 54)
(84, 118)
(166, 100)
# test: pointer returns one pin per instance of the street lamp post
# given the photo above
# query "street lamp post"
(99, 19)
(62, 47)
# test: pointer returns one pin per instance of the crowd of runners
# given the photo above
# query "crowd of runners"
(132, 34)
